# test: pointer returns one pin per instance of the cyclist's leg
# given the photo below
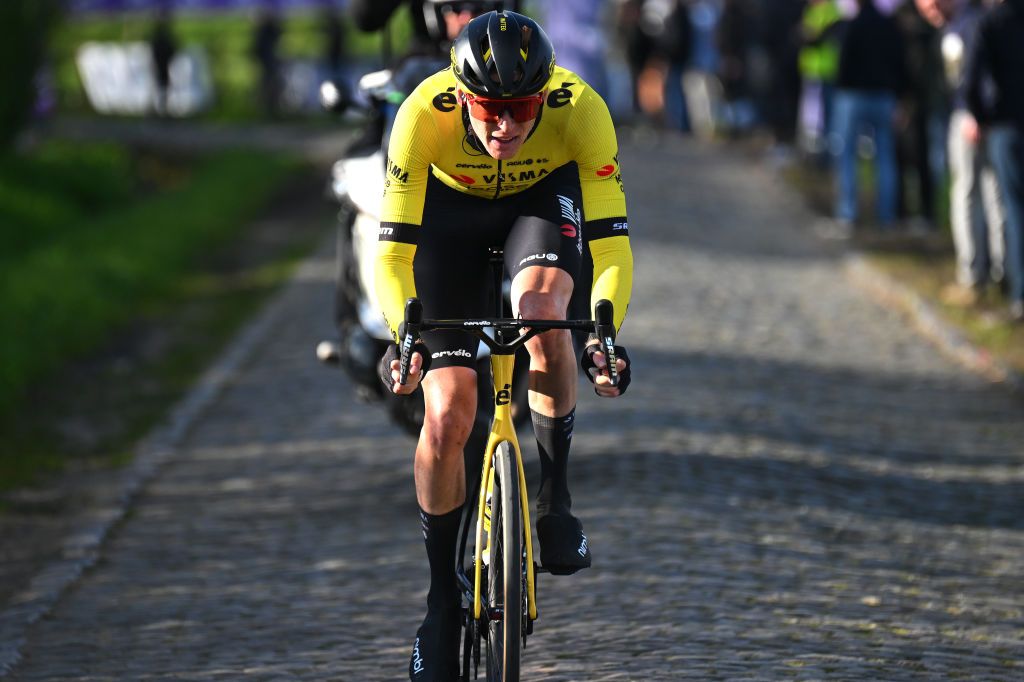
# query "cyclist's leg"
(543, 293)
(450, 269)
(543, 253)
(449, 396)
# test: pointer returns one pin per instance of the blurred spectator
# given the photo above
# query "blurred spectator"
(575, 28)
(819, 65)
(701, 84)
(265, 42)
(659, 39)
(704, 18)
(639, 48)
(975, 208)
(998, 56)
(780, 37)
(334, 42)
(871, 76)
(163, 45)
(920, 150)
(734, 38)
(675, 46)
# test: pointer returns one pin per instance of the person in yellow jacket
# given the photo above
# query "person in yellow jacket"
(819, 65)
(501, 149)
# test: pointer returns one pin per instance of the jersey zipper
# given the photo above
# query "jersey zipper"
(497, 189)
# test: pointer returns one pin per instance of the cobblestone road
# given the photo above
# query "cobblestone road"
(796, 487)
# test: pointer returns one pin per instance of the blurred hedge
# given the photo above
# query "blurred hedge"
(83, 259)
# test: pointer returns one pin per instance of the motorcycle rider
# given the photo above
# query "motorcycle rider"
(435, 22)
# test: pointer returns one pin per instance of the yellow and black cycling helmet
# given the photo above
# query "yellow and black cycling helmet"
(503, 54)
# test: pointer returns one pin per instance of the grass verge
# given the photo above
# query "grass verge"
(984, 324)
(117, 318)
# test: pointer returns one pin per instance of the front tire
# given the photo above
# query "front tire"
(505, 591)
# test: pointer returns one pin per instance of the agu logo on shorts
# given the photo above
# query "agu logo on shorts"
(605, 171)
(552, 257)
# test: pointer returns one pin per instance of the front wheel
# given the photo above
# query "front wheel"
(505, 576)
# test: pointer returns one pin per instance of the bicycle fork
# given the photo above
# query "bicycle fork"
(503, 430)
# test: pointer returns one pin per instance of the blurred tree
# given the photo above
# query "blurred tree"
(25, 27)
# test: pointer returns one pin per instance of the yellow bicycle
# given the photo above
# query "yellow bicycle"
(500, 588)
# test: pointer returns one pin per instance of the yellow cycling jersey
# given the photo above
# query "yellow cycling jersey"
(430, 136)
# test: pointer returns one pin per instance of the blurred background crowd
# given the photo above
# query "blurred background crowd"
(137, 137)
(917, 89)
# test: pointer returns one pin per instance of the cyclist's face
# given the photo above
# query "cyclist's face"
(502, 138)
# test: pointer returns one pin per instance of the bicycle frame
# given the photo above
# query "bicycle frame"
(503, 429)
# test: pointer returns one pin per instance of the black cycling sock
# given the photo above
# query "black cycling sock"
(554, 436)
(441, 533)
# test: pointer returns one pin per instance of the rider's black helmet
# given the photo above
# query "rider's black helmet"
(503, 54)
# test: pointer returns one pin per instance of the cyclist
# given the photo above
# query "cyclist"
(503, 149)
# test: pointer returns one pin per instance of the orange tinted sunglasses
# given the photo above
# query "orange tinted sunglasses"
(522, 109)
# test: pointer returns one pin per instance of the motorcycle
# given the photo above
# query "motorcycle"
(357, 185)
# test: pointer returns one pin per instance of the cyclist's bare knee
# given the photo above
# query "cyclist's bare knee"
(450, 409)
(541, 293)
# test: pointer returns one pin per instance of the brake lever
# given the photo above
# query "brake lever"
(604, 326)
(413, 320)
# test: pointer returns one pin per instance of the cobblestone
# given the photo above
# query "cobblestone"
(797, 486)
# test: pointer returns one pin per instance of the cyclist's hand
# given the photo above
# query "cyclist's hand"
(390, 369)
(415, 374)
(596, 367)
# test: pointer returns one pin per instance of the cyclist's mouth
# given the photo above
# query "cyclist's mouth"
(503, 143)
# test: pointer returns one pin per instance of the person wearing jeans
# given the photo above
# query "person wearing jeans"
(995, 98)
(872, 74)
(1006, 151)
(856, 112)
(975, 207)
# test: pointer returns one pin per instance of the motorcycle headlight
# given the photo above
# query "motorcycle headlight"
(339, 181)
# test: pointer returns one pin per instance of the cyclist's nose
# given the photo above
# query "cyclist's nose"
(505, 122)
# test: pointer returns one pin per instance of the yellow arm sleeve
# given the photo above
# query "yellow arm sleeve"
(595, 148)
(393, 281)
(412, 148)
(613, 274)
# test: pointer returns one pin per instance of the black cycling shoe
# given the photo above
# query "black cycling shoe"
(435, 654)
(563, 546)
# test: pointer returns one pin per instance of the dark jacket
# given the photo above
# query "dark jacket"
(373, 15)
(871, 55)
(998, 56)
(962, 28)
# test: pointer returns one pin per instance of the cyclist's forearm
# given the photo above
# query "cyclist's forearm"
(613, 274)
(393, 280)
